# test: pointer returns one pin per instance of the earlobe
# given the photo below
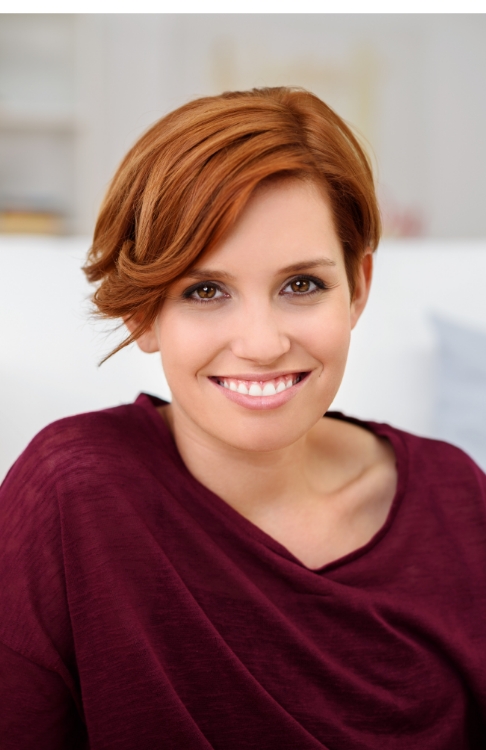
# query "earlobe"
(362, 288)
(147, 341)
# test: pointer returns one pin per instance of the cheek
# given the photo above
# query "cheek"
(186, 344)
(326, 334)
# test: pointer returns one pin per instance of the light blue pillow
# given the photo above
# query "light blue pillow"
(459, 413)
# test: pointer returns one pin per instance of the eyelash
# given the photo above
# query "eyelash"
(319, 287)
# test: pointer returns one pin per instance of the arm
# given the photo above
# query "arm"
(40, 704)
(36, 708)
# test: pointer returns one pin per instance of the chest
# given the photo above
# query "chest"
(310, 668)
(223, 636)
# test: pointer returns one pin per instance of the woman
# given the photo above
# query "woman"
(232, 570)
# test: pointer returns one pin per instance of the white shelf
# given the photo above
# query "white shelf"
(39, 131)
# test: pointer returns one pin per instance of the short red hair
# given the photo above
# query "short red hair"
(185, 182)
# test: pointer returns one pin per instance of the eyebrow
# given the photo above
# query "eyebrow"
(203, 274)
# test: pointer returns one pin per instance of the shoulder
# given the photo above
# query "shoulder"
(446, 479)
(441, 485)
(85, 441)
(77, 461)
(432, 461)
(68, 502)
(440, 501)
(429, 470)
(426, 456)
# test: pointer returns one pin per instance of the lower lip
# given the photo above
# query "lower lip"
(261, 403)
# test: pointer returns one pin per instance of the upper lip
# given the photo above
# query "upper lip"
(259, 377)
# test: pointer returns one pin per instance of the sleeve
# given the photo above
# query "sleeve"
(36, 709)
(40, 703)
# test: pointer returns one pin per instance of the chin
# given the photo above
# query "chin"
(265, 435)
(257, 430)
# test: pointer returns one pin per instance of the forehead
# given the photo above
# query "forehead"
(283, 223)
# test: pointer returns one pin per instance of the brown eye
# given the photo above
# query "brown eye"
(303, 286)
(206, 291)
(300, 285)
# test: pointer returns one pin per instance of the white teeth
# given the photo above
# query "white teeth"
(269, 389)
(265, 388)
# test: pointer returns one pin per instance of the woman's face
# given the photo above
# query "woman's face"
(254, 339)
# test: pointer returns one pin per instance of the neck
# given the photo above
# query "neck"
(252, 482)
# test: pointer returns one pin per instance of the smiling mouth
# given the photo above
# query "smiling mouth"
(261, 387)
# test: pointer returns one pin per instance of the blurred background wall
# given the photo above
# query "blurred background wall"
(77, 90)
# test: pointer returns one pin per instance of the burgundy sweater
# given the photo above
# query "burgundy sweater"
(139, 611)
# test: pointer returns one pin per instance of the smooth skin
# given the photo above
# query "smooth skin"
(320, 487)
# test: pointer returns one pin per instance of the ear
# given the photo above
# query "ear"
(147, 341)
(362, 287)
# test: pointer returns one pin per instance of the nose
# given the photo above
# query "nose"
(259, 336)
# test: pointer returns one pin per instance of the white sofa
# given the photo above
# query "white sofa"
(49, 347)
